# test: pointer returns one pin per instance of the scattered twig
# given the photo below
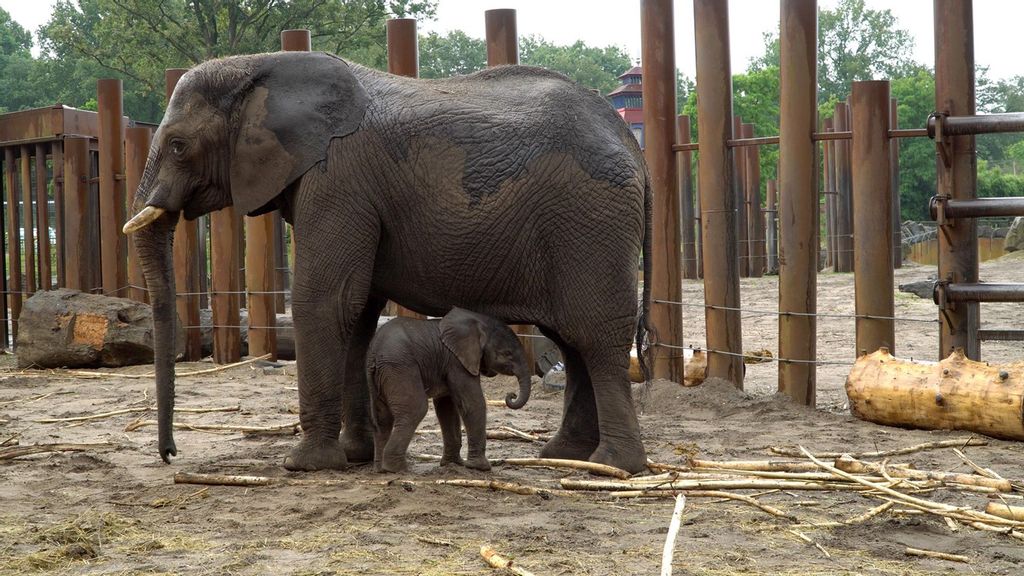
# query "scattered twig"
(85, 374)
(988, 472)
(434, 541)
(248, 430)
(27, 400)
(132, 411)
(495, 560)
(756, 465)
(244, 480)
(687, 484)
(957, 443)
(670, 538)
(11, 441)
(861, 518)
(518, 434)
(502, 486)
(18, 451)
(592, 467)
(724, 496)
(808, 539)
(855, 466)
(938, 555)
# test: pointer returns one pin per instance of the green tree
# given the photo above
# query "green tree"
(596, 68)
(16, 65)
(451, 55)
(915, 96)
(137, 40)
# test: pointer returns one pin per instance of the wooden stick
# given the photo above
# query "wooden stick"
(670, 538)
(501, 486)
(983, 471)
(1005, 511)
(27, 400)
(705, 494)
(861, 518)
(957, 443)
(495, 560)
(523, 435)
(808, 539)
(854, 466)
(757, 465)
(938, 555)
(11, 441)
(244, 480)
(84, 374)
(18, 451)
(926, 505)
(132, 411)
(592, 467)
(282, 428)
(572, 484)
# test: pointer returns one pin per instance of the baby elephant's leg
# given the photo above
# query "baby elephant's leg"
(383, 422)
(451, 429)
(472, 407)
(407, 401)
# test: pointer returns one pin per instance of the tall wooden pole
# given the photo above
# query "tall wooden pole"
(136, 151)
(718, 201)
(659, 94)
(739, 184)
(43, 220)
(798, 205)
(13, 242)
(894, 173)
(29, 245)
(502, 38)
(113, 244)
(872, 217)
(957, 170)
(684, 165)
(844, 204)
(755, 212)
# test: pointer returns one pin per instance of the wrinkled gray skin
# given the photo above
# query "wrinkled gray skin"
(411, 360)
(512, 192)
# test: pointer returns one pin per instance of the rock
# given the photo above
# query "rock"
(554, 380)
(921, 288)
(68, 328)
(1015, 237)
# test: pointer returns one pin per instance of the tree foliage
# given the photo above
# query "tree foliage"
(451, 55)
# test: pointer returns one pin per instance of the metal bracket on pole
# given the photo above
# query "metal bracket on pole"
(939, 295)
(937, 208)
(935, 124)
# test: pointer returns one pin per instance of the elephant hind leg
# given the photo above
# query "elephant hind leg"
(579, 435)
(383, 423)
(406, 399)
(620, 444)
(451, 430)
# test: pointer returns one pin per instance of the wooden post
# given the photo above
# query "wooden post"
(844, 204)
(259, 272)
(43, 220)
(872, 217)
(77, 238)
(798, 205)
(13, 265)
(502, 39)
(280, 264)
(136, 151)
(189, 260)
(957, 171)
(291, 41)
(773, 230)
(57, 156)
(225, 301)
(829, 180)
(717, 195)
(113, 244)
(739, 167)
(29, 244)
(684, 167)
(894, 173)
(755, 214)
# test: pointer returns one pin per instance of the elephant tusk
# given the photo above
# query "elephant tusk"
(142, 219)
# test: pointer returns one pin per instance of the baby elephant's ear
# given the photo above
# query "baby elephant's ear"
(463, 335)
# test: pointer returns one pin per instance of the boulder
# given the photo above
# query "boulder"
(1015, 237)
(68, 328)
(921, 288)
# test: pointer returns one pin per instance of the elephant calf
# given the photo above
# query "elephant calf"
(411, 360)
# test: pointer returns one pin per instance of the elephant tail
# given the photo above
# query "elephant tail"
(643, 326)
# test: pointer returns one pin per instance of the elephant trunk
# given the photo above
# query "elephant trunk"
(517, 401)
(155, 243)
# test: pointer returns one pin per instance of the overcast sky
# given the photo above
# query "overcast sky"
(604, 22)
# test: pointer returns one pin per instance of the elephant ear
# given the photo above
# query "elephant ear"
(463, 334)
(298, 102)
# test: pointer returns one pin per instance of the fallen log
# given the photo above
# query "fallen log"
(1005, 511)
(954, 394)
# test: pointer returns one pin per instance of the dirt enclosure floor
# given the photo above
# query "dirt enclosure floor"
(117, 510)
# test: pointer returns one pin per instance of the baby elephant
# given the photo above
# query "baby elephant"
(412, 360)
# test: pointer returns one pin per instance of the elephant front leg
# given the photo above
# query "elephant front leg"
(472, 407)
(620, 444)
(451, 430)
(321, 360)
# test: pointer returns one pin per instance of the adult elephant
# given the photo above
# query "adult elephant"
(512, 192)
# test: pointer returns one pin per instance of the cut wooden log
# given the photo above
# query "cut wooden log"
(1005, 511)
(68, 328)
(853, 466)
(954, 394)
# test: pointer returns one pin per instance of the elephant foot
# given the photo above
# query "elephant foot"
(478, 463)
(309, 456)
(394, 464)
(630, 457)
(449, 459)
(561, 446)
(358, 446)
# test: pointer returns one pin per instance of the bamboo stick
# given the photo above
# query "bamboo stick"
(112, 413)
(592, 467)
(572, 484)
(1005, 511)
(955, 443)
(257, 430)
(983, 471)
(18, 451)
(808, 539)
(756, 465)
(670, 538)
(939, 555)
(84, 374)
(502, 486)
(855, 466)
(705, 494)
(495, 560)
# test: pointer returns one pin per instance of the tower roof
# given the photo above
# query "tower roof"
(634, 71)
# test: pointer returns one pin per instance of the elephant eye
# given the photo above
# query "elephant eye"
(178, 147)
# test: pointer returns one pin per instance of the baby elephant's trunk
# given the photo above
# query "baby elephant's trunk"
(517, 401)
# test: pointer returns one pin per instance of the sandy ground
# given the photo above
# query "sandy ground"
(116, 510)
